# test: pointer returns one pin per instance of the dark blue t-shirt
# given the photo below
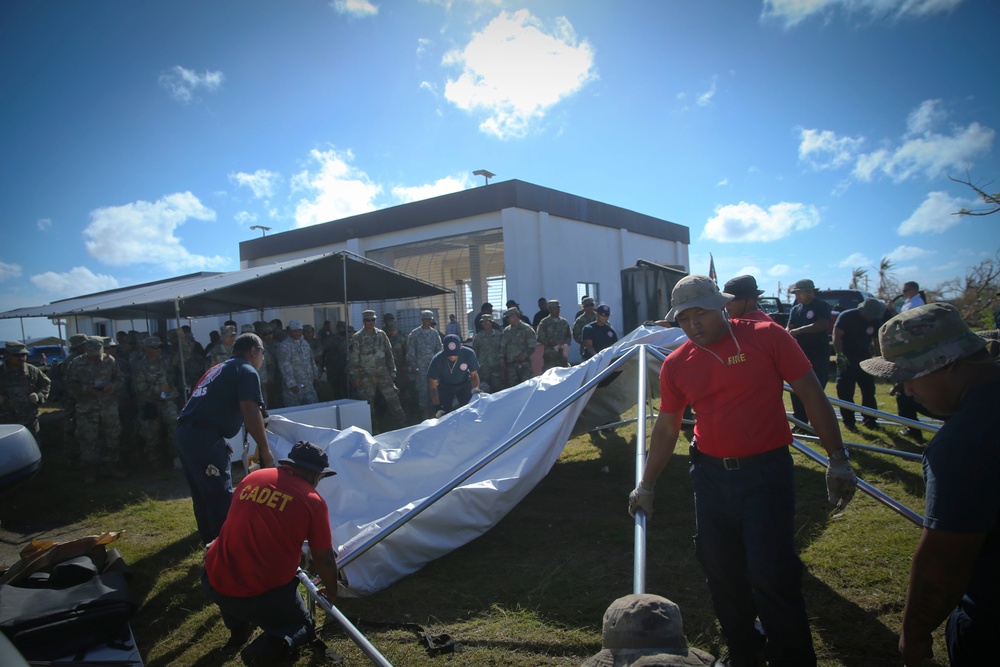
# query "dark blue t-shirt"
(601, 336)
(215, 401)
(962, 472)
(813, 344)
(453, 373)
(856, 341)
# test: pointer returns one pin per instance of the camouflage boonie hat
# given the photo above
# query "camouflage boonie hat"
(512, 311)
(15, 348)
(151, 341)
(95, 345)
(696, 291)
(553, 303)
(227, 331)
(76, 340)
(920, 341)
(589, 301)
(247, 328)
(368, 315)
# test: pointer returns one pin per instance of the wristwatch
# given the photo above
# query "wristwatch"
(840, 455)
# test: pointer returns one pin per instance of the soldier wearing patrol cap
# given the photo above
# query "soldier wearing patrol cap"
(517, 341)
(299, 373)
(421, 346)
(94, 382)
(486, 345)
(373, 368)
(554, 335)
(224, 348)
(22, 388)
(946, 368)
(60, 393)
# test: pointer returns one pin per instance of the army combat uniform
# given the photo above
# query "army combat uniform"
(21, 391)
(421, 346)
(157, 409)
(553, 333)
(372, 369)
(516, 345)
(486, 345)
(298, 369)
(94, 381)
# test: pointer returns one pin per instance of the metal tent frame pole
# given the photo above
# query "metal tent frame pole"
(639, 551)
(903, 421)
(180, 349)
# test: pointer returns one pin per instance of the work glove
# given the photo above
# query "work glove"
(33, 399)
(477, 390)
(641, 498)
(439, 413)
(841, 483)
(842, 362)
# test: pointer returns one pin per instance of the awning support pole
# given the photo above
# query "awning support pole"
(24, 339)
(180, 350)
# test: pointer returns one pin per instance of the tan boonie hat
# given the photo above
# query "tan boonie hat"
(76, 340)
(95, 345)
(920, 341)
(802, 285)
(15, 348)
(696, 291)
(645, 630)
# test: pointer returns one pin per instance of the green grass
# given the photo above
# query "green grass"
(532, 591)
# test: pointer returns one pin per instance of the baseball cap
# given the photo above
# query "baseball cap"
(603, 309)
(802, 285)
(742, 287)
(309, 456)
(872, 308)
(696, 291)
(920, 341)
(452, 343)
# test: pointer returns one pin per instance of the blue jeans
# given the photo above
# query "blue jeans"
(971, 637)
(205, 459)
(746, 546)
(279, 612)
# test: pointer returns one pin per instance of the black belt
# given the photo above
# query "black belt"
(737, 463)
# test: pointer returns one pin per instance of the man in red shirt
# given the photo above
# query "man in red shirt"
(250, 569)
(731, 373)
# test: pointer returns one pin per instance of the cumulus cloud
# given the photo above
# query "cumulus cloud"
(514, 71)
(144, 233)
(792, 12)
(778, 270)
(245, 218)
(905, 253)
(355, 8)
(335, 189)
(825, 150)
(442, 186)
(749, 222)
(8, 271)
(44, 224)
(182, 83)
(856, 259)
(936, 214)
(78, 280)
(261, 182)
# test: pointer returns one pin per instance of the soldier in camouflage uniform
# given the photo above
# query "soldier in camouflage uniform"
(94, 382)
(486, 345)
(517, 342)
(554, 335)
(22, 388)
(157, 409)
(583, 320)
(373, 369)
(421, 346)
(298, 368)
(126, 399)
(309, 334)
(398, 343)
(60, 393)
(223, 349)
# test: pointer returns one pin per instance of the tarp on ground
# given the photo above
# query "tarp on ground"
(340, 277)
(384, 477)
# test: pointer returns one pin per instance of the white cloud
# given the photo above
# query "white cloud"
(44, 224)
(442, 186)
(143, 233)
(422, 44)
(723, 182)
(791, 12)
(825, 150)
(778, 270)
(705, 99)
(336, 189)
(749, 222)
(9, 271)
(356, 8)
(78, 280)
(261, 182)
(514, 71)
(936, 214)
(182, 83)
(856, 259)
(905, 253)
(245, 218)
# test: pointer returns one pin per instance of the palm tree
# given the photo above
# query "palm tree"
(857, 275)
(887, 285)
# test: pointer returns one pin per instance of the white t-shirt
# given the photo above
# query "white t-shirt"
(912, 302)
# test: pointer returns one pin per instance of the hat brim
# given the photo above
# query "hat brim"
(896, 372)
(607, 658)
(326, 472)
(708, 302)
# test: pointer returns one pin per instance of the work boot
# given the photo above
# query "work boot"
(237, 638)
(872, 424)
(851, 426)
(265, 651)
(915, 433)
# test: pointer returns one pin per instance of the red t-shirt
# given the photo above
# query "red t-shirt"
(738, 400)
(755, 315)
(260, 544)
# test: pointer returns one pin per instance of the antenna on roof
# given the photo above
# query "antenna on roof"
(263, 230)
(485, 174)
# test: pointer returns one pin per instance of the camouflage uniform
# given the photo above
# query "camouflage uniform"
(421, 346)
(553, 333)
(21, 392)
(60, 393)
(298, 368)
(149, 376)
(578, 326)
(94, 382)
(516, 345)
(486, 345)
(335, 352)
(373, 370)
(398, 344)
(309, 333)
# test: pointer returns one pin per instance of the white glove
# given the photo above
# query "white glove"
(641, 498)
(439, 414)
(33, 399)
(477, 390)
(841, 483)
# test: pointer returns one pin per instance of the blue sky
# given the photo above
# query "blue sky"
(795, 138)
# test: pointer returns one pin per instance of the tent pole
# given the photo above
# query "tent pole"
(180, 348)
(24, 338)
(347, 326)
(398, 523)
(639, 552)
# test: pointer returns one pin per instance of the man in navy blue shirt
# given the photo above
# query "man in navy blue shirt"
(453, 374)
(226, 397)
(598, 334)
(854, 336)
(809, 324)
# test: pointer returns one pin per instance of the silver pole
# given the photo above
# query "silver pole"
(623, 422)
(366, 646)
(878, 413)
(24, 338)
(639, 552)
(180, 348)
(855, 445)
(398, 523)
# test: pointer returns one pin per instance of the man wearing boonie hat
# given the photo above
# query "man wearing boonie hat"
(853, 337)
(486, 310)
(744, 303)
(731, 373)
(453, 376)
(644, 630)
(299, 373)
(946, 368)
(222, 350)
(809, 323)
(583, 319)
(155, 398)
(373, 369)
(22, 388)
(554, 335)
(250, 570)
(517, 342)
(598, 334)
(421, 346)
(94, 381)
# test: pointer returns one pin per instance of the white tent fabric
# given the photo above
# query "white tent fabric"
(383, 478)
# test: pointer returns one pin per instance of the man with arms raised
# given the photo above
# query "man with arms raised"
(731, 373)
(946, 368)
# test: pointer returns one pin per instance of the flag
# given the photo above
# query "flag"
(711, 270)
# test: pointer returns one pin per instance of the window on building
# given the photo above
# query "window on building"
(592, 290)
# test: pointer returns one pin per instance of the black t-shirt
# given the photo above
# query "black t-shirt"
(858, 333)
(601, 336)
(813, 344)
(215, 401)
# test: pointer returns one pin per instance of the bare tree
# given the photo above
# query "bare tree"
(975, 295)
(858, 274)
(992, 201)
(888, 287)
